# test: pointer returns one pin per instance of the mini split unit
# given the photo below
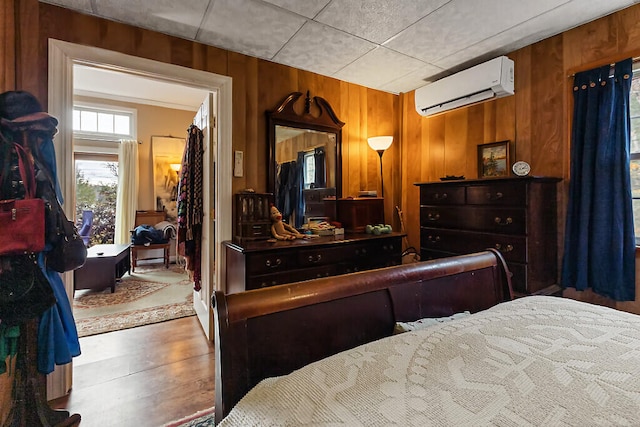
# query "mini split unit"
(492, 79)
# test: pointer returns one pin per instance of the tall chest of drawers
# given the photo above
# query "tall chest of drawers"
(254, 265)
(517, 216)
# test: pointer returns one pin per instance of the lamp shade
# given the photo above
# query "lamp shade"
(380, 142)
(175, 166)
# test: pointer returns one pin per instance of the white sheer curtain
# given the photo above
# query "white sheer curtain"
(127, 198)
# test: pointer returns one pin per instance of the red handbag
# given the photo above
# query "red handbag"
(22, 220)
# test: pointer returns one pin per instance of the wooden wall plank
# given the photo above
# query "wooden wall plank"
(546, 145)
(535, 119)
(523, 117)
(7, 46)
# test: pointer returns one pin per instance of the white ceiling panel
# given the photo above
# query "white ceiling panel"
(411, 81)
(376, 20)
(322, 49)
(374, 43)
(250, 27)
(308, 8)
(465, 26)
(181, 18)
(379, 66)
(539, 28)
(79, 5)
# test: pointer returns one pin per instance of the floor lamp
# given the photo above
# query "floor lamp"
(380, 144)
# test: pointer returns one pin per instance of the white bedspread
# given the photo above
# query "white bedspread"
(535, 361)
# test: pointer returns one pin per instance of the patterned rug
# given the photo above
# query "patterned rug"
(150, 295)
(199, 419)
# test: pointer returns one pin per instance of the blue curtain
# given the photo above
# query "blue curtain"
(296, 221)
(320, 161)
(599, 246)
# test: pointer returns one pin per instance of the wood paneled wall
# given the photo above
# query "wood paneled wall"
(536, 120)
(258, 86)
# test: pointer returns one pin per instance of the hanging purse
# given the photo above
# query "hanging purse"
(68, 251)
(21, 220)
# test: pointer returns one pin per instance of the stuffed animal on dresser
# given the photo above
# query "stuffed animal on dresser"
(280, 229)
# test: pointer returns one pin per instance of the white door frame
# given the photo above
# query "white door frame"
(62, 57)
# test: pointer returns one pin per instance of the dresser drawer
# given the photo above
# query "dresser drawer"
(269, 263)
(513, 248)
(475, 218)
(497, 195)
(255, 230)
(315, 257)
(442, 195)
(263, 281)
(384, 247)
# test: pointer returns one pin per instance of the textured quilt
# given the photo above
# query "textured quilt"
(535, 361)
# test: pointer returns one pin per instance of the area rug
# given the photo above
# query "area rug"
(150, 295)
(199, 419)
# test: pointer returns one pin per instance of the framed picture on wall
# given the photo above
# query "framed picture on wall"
(493, 159)
(167, 158)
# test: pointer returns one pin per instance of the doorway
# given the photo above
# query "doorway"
(62, 57)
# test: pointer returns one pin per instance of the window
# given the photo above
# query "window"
(309, 170)
(634, 166)
(96, 194)
(104, 124)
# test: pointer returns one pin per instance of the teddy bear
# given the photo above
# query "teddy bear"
(280, 229)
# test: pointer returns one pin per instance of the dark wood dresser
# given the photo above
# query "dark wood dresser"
(517, 216)
(258, 264)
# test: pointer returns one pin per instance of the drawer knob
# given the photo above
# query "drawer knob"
(433, 217)
(315, 258)
(507, 221)
(497, 196)
(275, 264)
(434, 239)
(439, 196)
(506, 249)
(266, 284)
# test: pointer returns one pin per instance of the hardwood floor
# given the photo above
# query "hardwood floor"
(143, 377)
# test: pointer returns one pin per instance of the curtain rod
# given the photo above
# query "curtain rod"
(612, 65)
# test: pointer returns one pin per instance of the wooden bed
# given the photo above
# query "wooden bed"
(273, 331)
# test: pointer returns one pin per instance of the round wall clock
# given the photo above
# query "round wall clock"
(521, 168)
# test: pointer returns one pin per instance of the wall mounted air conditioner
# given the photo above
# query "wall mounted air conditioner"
(491, 79)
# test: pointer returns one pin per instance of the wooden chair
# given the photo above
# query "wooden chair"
(150, 218)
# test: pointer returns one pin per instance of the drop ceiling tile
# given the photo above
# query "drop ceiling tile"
(322, 49)
(380, 66)
(249, 27)
(79, 5)
(403, 84)
(541, 27)
(376, 20)
(181, 18)
(308, 8)
(430, 40)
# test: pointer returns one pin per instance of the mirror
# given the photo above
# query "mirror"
(305, 165)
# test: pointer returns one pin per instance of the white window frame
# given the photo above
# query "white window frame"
(110, 109)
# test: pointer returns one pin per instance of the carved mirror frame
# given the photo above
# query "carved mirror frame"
(322, 119)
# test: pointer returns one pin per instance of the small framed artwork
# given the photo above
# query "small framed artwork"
(493, 159)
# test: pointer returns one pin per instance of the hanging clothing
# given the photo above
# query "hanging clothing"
(190, 205)
(286, 189)
(297, 190)
(23, 121)
(599, 246)
(319, 157)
